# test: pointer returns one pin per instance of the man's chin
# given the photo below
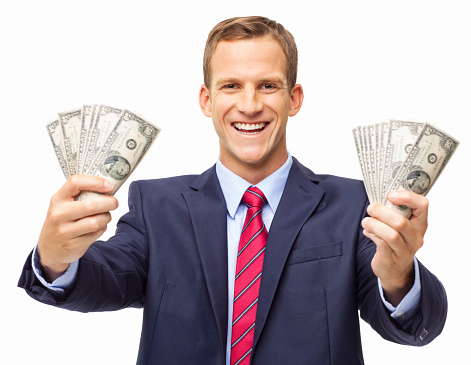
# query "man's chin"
(258, 159)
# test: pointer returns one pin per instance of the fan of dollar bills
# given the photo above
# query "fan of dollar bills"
(101, 140)
(401, 155)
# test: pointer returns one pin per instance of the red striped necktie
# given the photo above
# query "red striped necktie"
(252, 244)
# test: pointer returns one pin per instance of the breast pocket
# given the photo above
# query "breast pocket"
(312, 253)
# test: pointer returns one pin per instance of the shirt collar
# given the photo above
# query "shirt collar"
(233, 186)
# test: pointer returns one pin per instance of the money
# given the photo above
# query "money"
(70, 123)
(55, 134)
(101, 140)
(104, 120)
(400, 138)
(87, 118)
(401, 155)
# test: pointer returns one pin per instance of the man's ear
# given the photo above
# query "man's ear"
(205, 101)
(296, 100)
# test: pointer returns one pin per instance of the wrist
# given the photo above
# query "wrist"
(51, 270)
(396, 289)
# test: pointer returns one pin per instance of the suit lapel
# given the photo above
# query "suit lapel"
(300, 197)
(208, 215)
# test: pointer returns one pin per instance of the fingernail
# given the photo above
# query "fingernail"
(108, 185)
(393, 195)
(363, 222)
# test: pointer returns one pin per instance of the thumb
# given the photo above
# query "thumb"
(79, 183)
(417, 203)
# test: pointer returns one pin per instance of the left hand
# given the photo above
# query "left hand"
(397, 240)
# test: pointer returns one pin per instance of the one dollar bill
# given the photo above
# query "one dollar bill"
(423, 165)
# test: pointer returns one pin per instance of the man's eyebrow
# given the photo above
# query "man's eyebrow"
(268, 80)
(272, 80)
(227, 81)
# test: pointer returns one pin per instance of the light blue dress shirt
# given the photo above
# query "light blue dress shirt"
(233, 188)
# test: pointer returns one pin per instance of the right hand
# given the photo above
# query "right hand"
(72, 226)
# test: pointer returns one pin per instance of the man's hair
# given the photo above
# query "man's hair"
(252, 27)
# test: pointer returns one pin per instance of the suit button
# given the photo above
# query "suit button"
(423, 334)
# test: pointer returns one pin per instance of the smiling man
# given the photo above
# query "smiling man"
(258, 259)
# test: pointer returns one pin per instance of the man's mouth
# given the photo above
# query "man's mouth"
(249, 128)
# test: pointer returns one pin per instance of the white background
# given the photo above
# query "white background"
(360, 62)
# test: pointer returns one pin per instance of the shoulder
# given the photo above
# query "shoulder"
(333, 184)
(168, 184)
(154, 196)
(343, 183)
(345, 193)
(159, 192)
(164, 188)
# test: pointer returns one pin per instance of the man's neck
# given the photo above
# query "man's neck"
(256, 172)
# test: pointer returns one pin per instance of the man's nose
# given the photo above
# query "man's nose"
(249, 102)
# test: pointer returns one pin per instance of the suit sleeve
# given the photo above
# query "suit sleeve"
(430, 318)
(111, 275)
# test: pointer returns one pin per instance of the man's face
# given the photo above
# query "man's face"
(249, 103)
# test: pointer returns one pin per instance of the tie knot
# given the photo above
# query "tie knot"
(253, 197)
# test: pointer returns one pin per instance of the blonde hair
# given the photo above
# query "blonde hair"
(251, 27)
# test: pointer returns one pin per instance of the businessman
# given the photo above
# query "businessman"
(258, 259)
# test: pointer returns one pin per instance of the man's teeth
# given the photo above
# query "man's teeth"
(247, 128)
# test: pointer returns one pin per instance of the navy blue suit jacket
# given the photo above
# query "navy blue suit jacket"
(169, 255)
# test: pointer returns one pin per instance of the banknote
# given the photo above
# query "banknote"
(70, 122)
(55, 135)
(87, 118)
(401, 155)
(101, 140)
(423, 165)
(370, 136)
(359, 147)
(383, 134)
(123, 150)
(401, 137)
(104, 120)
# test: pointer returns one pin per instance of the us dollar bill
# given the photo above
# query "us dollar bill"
(105, 119)
(423, 165)
(86, 124)
(383, 133)
(123, 150)
(70, 122)
(401, 137)
(54, 130)
(366, 158)
(371, 140)
(358, 144)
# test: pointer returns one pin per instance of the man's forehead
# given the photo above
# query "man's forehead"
(226, 47)
(263, 57)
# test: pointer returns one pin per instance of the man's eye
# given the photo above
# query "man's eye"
(230, 86)
(268, 86)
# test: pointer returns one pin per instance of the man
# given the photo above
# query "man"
(178, 252)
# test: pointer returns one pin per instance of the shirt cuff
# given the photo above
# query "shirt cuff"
(63, 282)
(408, 307)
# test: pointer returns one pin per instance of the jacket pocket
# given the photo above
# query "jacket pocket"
(312, 253)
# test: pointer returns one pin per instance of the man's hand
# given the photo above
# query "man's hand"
(72, 226)
(397, 240)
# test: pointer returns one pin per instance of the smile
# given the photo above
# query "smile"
(249, 128)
